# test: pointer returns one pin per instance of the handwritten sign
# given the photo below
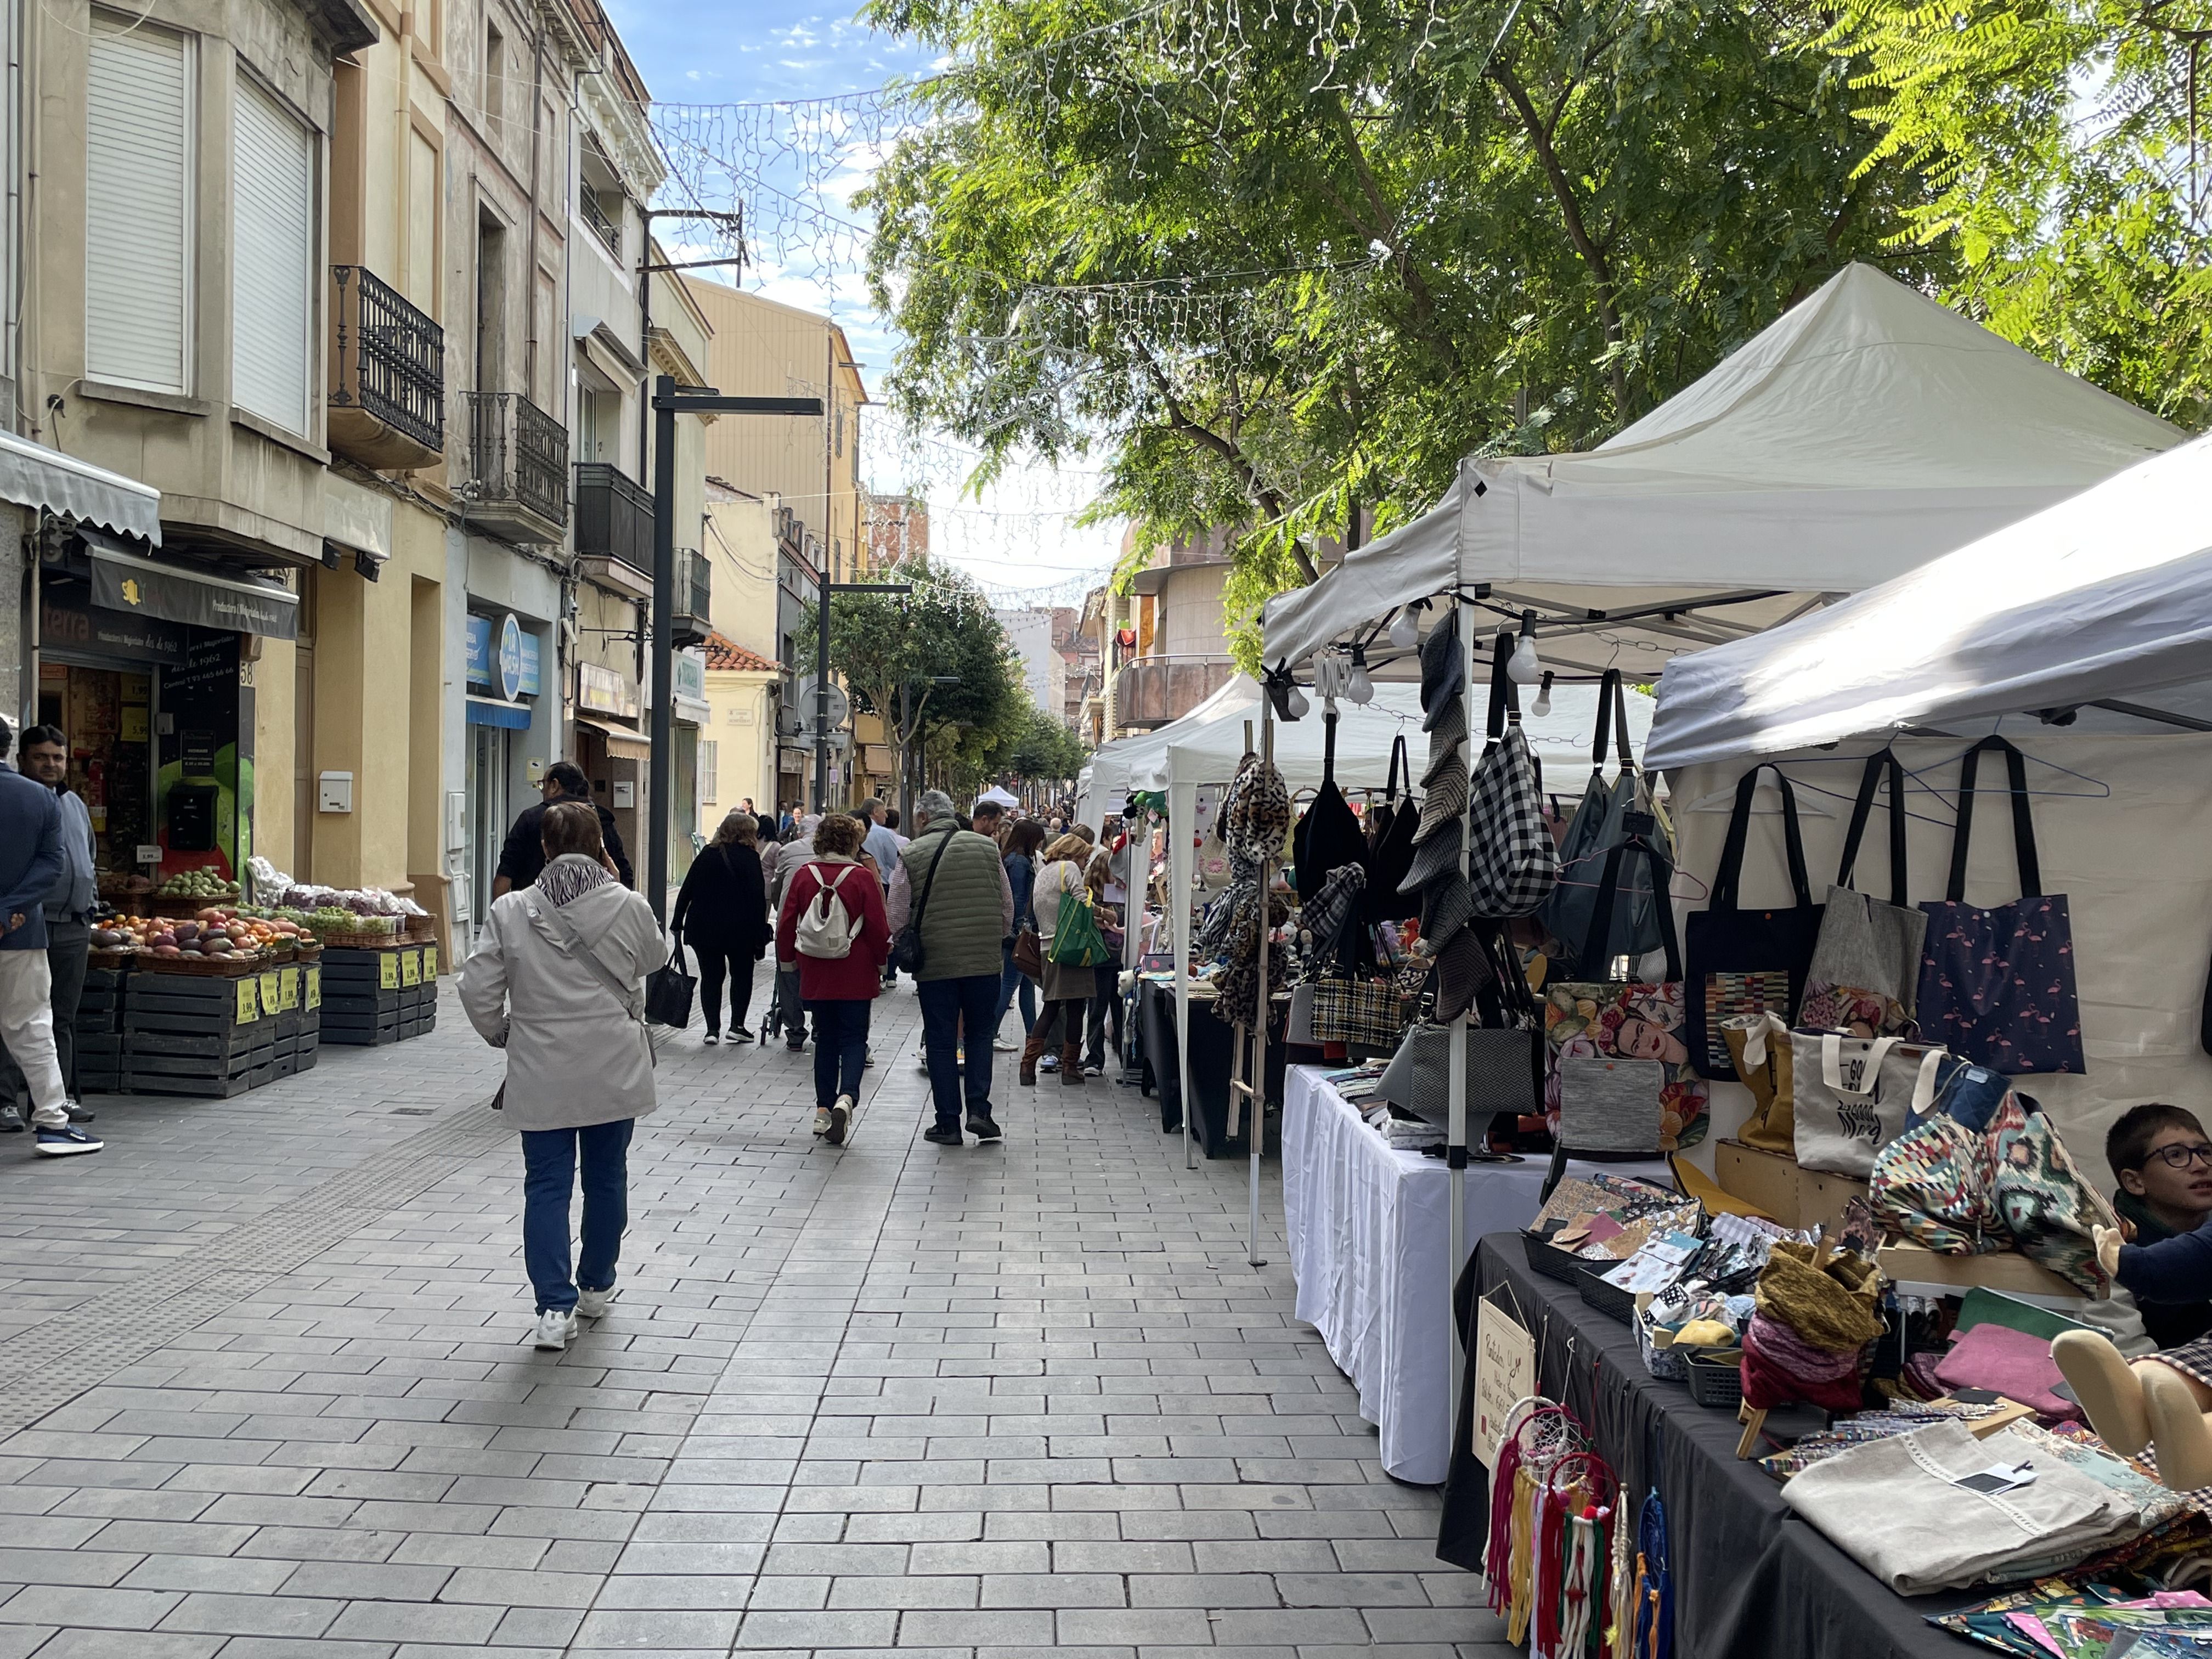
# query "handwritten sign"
(1504, 1375)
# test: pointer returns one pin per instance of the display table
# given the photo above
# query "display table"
(1212, 1045)
(1369, 1228)
(1751, 1580)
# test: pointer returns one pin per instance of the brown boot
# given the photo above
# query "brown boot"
(1032, 1052)
(1071, 1064)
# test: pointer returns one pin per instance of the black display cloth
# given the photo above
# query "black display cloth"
(1752, 1581)
(1212, 1047)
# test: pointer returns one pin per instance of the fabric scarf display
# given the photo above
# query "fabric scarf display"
(1512, 861)
(1596, 827)
(1853, 1096)
(1864, 977)
(1748, 962)
(1390, 855)
(1613, 1022)
(1996, 984)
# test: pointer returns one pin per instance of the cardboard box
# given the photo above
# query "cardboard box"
(1775, 1185)
(2003, 1270)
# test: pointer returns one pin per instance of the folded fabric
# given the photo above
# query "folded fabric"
(1443, 664)
(1436, 856)
(1446, 907)
(1830, 1301)
(1446, 800)
(1447, 727)
(2011, 1363)
(1895, 1507)
(1442, 752)
(1462, 970)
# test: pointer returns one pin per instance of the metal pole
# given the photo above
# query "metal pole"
(1255, 1121)
(1455, 1110)
(660, 779)
(822, 688)
(906, 753)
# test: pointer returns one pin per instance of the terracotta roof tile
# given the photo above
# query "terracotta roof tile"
(726, 654)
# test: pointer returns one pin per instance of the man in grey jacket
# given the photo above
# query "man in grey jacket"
(43, 755)
(954, 879)
(30, 863)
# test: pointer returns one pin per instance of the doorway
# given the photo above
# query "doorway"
(489, 756)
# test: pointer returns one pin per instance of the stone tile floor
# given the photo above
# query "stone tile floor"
(267, 1390)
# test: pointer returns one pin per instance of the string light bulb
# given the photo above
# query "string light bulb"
(1523, 666)
(1542, 706)
(1360, 688)
(1404, 628)
(1297, 703)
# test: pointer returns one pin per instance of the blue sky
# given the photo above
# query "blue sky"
(1018, 538)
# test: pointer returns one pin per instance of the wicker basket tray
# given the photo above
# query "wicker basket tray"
(185, 909)
(110, 959)
(362, 941)
(1552, 1261)
(308, 950)
(237, 965)
(1608, 1299)
(1716, 1378)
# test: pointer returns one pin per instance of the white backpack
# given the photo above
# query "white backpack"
(825, 927)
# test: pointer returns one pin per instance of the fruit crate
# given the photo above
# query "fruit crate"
(190, 1035)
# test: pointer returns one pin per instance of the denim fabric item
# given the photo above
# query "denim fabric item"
(550, 1159)
(1013, 982)
(948, 1005)
(841, 1047)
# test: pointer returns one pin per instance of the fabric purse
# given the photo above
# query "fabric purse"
(1504, 1076)
(1512, 862)
(1370, 1012)
(1610, 1105)
(1390, 859)
(1328, 835)
(1596, 827)
(1627, 1019)
(1864, 977)
(1936, 1184)
(1297, 1029)
(1853, 1096)
(1765, 1060)
(1028, 952)
(1997, 985)
(668, 992)
(1748, 962)
(2048, 1206)
(1075, 940)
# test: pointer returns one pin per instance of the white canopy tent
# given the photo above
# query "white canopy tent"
(2099, 609)
(1106, 779)
(1866, 431)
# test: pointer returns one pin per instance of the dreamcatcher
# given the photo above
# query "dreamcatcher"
(1577, 1504)
(1538, 1436)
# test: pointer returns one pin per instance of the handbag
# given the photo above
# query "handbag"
(668, 991)
(907, 952)
(1748, 962)
(1595, 827)
(1760, 1045)
(1213, 873)
(1028, 952)
(1297, 1028)
(1997, 985)
(1364, 1011)
(1936, 1184)
(1512, 863)
(2048, 1205)
(1075, 940)
(1328, 835)
(1626, 1019)
(1853, 1096)
(1390, 859)
(1864, 977)
(1504, 1075)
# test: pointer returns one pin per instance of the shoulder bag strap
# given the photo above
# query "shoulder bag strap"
(930, 881)
(581, 950)
(1884, 762)
(1329, 746)
(2023, 826)
(1593, 960)
(1606, 687)
(1502, 701)
(1621, 723)
(1726, 878)
(1398, 760)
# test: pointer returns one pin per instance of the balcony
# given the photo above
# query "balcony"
(691, 603)
(614, 526)
(517, 473)
(1152, 690)
(604, 226)
(387, 407)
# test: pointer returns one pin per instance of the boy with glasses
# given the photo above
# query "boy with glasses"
(2162, 1159)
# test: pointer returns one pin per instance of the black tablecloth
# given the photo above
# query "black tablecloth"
(1212, 1047)
(1752, 1581)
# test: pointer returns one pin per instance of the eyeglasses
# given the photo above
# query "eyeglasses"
(2178, 1156)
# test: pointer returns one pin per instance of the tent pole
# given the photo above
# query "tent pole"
(1255, 1103)
(1183, 800)
(1455, 1110)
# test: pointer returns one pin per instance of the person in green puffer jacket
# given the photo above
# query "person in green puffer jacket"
(953, 878)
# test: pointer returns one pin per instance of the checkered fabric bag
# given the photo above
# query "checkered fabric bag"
(1512, 861)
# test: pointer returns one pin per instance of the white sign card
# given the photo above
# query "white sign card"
(1504, 1375)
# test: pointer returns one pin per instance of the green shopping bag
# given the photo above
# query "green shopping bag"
(1075, 940)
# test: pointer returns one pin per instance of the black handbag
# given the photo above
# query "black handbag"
(669, 992)
(1329, 833)
(1748, 962)
(907, 954)
(1391, 858)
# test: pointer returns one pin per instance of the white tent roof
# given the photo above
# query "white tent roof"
(2102, 604)
(1865, 432)
(1106, 780)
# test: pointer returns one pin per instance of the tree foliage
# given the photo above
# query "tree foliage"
(1271, 266)
(1044, 750)
(2059, 138)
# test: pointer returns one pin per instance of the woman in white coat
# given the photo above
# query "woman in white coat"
(555, 981)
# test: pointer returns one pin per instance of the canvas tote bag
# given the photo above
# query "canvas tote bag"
(1512, 862)
(1864, 977)
(1997, 985)
(1853, 1095)
(1748, 962)
(1596, 827)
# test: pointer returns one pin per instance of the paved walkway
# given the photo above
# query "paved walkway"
(267, 1390)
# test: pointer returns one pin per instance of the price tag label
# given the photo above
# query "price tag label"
(387, 971)
(288, 989)
(272, 997)
(429, 962)
(249, 1001)
(314, 991)
(410, 967)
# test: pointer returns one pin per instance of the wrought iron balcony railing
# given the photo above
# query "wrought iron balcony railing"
(518, 459)
(388, 385)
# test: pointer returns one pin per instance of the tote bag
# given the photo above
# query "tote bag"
(1596, 827)
(1852, 1097)
(1748, 962)
(1864, 977)
(1997, 985)
(1505, 1072)
(1329, 833)
(1512, 863)
(1390, 859)
(1625, 1020)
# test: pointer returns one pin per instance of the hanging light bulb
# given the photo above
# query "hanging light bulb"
(1404, 628)
(1297, 703)
(1360, 687)
(1523, 666)
(1542, 706)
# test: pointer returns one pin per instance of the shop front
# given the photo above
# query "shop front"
(612, 751)
(688, 711)
(505, 677)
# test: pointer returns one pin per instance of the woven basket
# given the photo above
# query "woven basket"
(1716, 1378)
(110, 959)
(362, 941)
(307, 951)
(237, 965)
(1551, 1261)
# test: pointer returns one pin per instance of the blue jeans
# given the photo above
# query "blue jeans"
(1010, 980)
(947, 1005)
(841, 1048)
(548, 1180)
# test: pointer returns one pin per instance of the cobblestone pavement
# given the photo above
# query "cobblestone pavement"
(267, 1389)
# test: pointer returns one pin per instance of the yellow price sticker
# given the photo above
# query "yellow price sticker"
(249, 1001)
(287, 988)
(387, 971)
(429, 962)
(410, 967)
(272, 1000)
(315, 988)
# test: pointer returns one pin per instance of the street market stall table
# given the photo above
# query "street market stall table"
(1751, 1580)
(1367, 1227)
(1211, 1050)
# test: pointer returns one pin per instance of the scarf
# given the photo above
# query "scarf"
(570, 877)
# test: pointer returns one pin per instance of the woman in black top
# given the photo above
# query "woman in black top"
(721, 913)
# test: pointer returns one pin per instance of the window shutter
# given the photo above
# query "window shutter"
(272, 259)
(139, 219)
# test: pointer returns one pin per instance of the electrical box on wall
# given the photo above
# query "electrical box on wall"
(334, 792)
(534, 769)
(625, 797)
(457, 821)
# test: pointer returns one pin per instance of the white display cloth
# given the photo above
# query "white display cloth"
(2106, 595)
(1866, 431)
(1369, 1228)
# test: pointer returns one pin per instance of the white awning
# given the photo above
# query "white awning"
(31, 475)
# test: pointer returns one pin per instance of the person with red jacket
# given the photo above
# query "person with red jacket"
(836, 990)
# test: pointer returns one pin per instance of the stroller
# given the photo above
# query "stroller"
(784, 1014)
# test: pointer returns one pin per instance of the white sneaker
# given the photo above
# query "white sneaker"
(841, 1114)
(921, 1063)
(591, 1304)
(1001, 1046)
(556, 1331)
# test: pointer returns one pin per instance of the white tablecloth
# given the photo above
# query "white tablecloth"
(1370, 1229)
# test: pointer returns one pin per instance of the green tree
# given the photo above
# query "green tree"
(1043, 749)
(1273, 261)
(2060, 141)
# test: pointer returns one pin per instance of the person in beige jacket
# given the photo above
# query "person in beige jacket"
(555, 982)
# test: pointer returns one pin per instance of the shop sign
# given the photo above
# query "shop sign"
(502, 656)
(67, 622)
(604, 692)
(1504, 1375)
(691, 675)
(124, 581)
